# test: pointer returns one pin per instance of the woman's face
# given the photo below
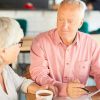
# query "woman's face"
(10, 54)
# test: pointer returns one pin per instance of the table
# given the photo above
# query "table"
(92, 88)
(27, 41)
(23, 59)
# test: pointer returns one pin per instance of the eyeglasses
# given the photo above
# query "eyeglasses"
(21, 43)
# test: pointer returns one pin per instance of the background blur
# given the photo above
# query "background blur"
(36, 16)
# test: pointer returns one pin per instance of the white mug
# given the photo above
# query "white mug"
(44, 95)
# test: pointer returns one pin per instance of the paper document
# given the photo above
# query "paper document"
(84, 97)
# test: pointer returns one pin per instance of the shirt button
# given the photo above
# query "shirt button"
(83, 66)
(67, 63)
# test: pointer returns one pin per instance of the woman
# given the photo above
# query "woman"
(10, 42)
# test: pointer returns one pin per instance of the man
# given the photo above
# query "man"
(65, 57)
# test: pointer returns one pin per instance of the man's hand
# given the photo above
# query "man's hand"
(74, 89)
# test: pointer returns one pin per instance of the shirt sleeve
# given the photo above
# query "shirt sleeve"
(95, 65)
(39, 69)
(20, 82)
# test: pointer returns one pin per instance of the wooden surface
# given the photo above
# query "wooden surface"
(93, 88)
(27, 41)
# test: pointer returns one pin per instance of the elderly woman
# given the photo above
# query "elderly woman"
(10, 42)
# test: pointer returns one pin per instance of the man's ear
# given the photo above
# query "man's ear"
(81, 23)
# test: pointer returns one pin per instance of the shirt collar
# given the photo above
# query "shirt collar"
(76, 41)
(58, 40)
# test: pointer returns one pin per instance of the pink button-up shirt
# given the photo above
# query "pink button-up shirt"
(55, 63)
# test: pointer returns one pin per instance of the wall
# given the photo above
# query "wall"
(42, 20)
(93, 19)
(38, 21)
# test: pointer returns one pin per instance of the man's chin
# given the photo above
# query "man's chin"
(65, 33)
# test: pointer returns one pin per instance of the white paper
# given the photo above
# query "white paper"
(84, 97)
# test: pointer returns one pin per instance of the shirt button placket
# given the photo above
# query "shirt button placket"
(67, 64)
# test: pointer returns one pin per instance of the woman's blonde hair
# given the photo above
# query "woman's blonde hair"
(10, 32)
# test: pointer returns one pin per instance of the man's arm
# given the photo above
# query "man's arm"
(39, 69)
(95, 65)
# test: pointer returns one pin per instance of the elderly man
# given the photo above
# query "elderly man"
(65, 57)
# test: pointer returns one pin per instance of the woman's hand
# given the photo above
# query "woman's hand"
(32, 88)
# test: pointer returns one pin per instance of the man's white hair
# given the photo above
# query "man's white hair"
(10, 32)
(79, 4)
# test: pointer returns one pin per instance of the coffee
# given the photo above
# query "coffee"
(44, 94)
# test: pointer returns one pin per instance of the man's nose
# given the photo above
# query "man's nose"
(65, 25)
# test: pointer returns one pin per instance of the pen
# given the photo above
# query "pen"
(86, 90)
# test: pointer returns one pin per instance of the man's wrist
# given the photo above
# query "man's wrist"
(62, 89)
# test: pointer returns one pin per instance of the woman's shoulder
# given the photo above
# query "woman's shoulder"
(7, 69)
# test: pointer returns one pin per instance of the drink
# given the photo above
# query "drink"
(44, 95)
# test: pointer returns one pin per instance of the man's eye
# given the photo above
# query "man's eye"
(61, 20)
(69, 21)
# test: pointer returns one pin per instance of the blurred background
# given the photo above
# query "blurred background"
(44, 4)
(36, 12)
(35, 16)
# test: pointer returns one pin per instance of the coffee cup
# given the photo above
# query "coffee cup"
(44, 95)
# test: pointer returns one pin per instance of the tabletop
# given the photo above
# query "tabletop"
(92, 88)
(27, 41)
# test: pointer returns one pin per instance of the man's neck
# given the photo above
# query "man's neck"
(68, 41)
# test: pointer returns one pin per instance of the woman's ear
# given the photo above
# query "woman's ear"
(1, 60)
(1, 55)
(2, 51)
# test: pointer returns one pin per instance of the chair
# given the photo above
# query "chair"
(23, 24)
(84, 28)
(95, 31)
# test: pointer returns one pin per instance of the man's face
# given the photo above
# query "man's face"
(68, 21)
